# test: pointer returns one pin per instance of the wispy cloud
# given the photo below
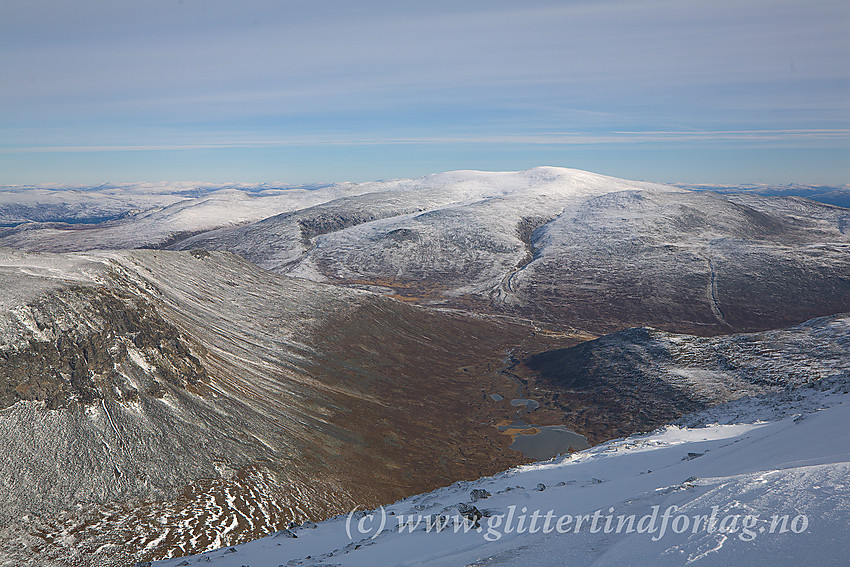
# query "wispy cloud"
(565, 138)
(103, 76)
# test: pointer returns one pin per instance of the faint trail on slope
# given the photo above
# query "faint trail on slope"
(712, 294)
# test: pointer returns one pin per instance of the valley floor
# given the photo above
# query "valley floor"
(769, 473)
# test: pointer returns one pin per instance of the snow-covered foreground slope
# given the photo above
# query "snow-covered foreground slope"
(759, 481)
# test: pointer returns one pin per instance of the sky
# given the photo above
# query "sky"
(306, 91)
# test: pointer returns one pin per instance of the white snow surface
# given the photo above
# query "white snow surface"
(459, 224)
(153, 213)
(780, 454)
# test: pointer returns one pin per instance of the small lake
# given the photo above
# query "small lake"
(548, 441)
(530, 405)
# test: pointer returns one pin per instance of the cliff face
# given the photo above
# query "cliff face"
(78, 336)
(88, 373)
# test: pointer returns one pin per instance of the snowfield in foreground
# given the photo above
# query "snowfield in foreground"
(758, 481)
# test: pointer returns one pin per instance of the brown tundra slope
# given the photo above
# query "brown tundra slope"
(156, 403)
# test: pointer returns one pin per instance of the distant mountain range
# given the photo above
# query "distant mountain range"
(838, 195)
(549, 244)
(94, 204)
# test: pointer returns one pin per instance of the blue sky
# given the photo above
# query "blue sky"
(323, 90)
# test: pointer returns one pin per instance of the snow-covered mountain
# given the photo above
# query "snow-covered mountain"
(442, 206)
(759, 481)
(832, 195)
(21, 204)
(561, 245)
(552, 244)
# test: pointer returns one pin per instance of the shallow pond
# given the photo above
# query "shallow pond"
(548, 441)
